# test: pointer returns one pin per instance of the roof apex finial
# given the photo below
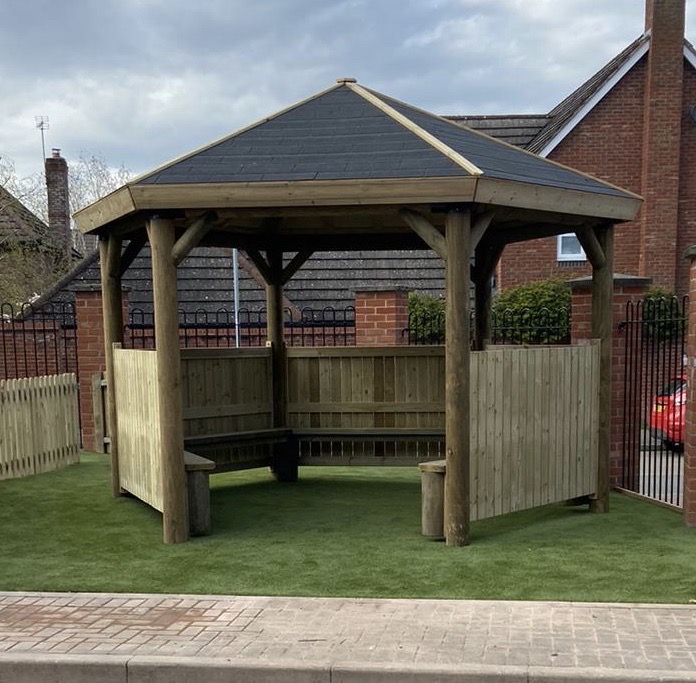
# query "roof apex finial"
(347, 79)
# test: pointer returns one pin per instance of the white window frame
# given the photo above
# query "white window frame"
(561, 257)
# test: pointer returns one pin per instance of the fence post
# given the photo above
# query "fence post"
(627, 288)
(690, 436)
(381, 317)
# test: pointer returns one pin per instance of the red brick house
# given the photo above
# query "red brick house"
(633, 124)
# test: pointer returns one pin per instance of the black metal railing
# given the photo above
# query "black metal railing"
(208, 329)
(37, 340)
(654, 398)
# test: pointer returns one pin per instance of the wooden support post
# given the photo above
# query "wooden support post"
(112, 307)
(457, 276)
(487, 257)
(284, 458)
(602, 290)
(174, 504)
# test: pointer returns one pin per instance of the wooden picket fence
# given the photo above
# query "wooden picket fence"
(39, 425)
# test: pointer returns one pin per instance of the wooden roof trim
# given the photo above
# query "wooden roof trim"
(547, 198)
(304, 193)
(115, 205)
(430, 139)
(593, 101)
(224, 138)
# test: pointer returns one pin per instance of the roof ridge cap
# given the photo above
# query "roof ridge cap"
(414, 128)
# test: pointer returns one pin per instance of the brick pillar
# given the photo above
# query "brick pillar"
(690, 436)
(90, 353)
(381, 316)
(662, 126)
(627, 288)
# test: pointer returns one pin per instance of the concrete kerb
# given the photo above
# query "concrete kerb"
(42, 668)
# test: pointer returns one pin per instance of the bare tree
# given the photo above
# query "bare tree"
(29, 263)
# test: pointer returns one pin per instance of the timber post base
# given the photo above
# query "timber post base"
(433, 498)
(198, 486)
(286, 458)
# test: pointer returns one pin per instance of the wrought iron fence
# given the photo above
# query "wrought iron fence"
(526, 326)
(654, 401)
(204, 329)
(37, 340)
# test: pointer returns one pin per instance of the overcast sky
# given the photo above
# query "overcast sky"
(143, 81)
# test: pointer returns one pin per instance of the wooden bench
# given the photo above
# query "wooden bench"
(198, 471)
(283, 462)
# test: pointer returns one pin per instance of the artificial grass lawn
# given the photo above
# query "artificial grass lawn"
(337, 532)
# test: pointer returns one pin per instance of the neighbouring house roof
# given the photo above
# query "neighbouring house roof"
(515, 129)
(17, 223)
(571, 110)
(206, 287)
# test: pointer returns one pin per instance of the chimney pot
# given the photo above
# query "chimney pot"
(55, 152)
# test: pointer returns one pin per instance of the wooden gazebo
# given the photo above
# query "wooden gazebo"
(350, 169)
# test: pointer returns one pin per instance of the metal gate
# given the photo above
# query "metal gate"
(654, 409)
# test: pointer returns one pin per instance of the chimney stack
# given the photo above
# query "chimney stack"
(662, 123)
(58, 202)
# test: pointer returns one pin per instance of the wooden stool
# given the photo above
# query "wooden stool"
(433, 498)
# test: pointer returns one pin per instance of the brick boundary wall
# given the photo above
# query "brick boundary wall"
(690, 436)
(381, 316)
(626, 289)
(90, 354)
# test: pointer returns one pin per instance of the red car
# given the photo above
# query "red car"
(668, 415)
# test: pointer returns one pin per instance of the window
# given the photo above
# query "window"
(569, 248)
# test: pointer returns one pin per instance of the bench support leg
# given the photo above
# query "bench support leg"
(199, 502)
(285, 461)
(433, 504)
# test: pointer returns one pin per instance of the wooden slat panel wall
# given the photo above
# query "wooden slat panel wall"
(366, 387)
(135, 379)
(39, 425)
(535, 437)
(534, 411)
(226, 390)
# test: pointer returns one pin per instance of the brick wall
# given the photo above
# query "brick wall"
(381, 318)
(690, 437)
(608, 144)
(625, 290)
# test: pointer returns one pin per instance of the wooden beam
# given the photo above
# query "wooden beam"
(171, 418)
(192, 237)
(261, 264)
(590, 244)
(130, 253)
(426, 231)
(479, 227)
(487, 257)
(112, 310)
(250, 269)
(295, 264)
(602, 292)
(457, 428)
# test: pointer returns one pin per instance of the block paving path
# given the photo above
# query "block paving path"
(408, 635)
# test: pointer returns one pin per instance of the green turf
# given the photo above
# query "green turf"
(337, 532)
